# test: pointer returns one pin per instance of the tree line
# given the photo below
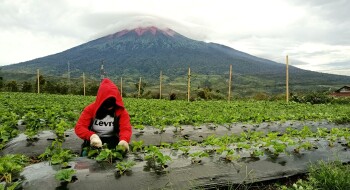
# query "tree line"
(48, 86)
(57, 86)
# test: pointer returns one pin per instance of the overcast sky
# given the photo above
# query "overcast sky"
(315, 34)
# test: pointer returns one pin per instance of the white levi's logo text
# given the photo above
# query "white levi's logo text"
(103, 123)
(103, 127)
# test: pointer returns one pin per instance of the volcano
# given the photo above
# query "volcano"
(145, 51)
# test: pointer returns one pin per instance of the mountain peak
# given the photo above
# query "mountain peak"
(141, 30)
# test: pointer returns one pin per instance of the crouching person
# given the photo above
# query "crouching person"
(105, 120)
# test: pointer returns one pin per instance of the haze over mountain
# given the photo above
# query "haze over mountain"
(147, 51)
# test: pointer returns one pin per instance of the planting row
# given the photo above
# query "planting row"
(229, 148)
(57, 112)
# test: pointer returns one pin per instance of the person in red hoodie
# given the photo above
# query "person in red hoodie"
(106, 120)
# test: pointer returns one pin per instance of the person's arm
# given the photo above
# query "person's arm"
(82, 126)
(125, 130)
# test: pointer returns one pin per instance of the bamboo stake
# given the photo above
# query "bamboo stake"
(139, 94)
(287, 80)
(121, 86)
(38, 77)
(229, 84)
(160, 85)
(84, 86)
(188, 84)
(68, 76)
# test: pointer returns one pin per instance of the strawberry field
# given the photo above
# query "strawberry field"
(175, 144)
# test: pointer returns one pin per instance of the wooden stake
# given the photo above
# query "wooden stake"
(84, 86)
(68, 76)
(229, 84)
(121, 86)
(139, 94)
(160, 85)
(287, 81)
(38, 77)
(189, 84)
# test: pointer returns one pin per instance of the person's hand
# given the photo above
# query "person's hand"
(124, 144)
(95, 141)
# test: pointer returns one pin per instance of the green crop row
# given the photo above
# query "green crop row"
(60, 112)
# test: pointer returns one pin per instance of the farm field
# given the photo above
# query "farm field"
(175, 144)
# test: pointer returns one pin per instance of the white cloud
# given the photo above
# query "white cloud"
(29, 45)
(313, 33)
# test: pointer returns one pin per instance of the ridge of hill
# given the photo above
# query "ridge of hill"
(144, 52)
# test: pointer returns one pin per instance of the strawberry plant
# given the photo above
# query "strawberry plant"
(56, 154)
(306, 132)
(211, 140)
(184, 150)
(124, 166)
(33, 124)
(331, 140)
(322, 132)
(221, 149)
(161, 129)
(13, 186)
(60, 129)
(106, 155)
(286, 139)
(156, 158)
(292, 132)
(305, 145)
(8, 127)
(65, 175)
(175, 146)
(140, 127)
(70, 116)
(231, 156)
(110, 155)
(176, 123)
(226, 140)
(244, 145)
(9, 118)
(137, 146)
(256, 153)
(11, 165)
(91, 152)
(167, 145)
(278, 148)
(196, 156)
(174, 112)
(51, 118)
(6, 133)
(250, 135)
(185, 143)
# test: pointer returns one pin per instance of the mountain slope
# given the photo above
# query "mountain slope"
(147, 51)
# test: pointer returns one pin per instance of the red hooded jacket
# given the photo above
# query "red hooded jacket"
(106, 90)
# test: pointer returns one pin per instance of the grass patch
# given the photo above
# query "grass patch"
(324, 176)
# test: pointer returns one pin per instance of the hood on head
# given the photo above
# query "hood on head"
(106, 90)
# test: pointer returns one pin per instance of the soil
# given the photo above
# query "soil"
(181, 173)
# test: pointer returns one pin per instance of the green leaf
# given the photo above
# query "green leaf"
(65, 175)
